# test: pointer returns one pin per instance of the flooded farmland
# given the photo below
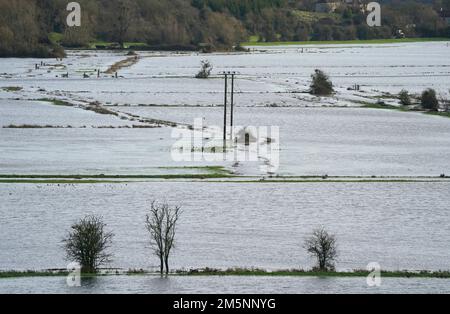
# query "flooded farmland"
(376, 178)
(228, 225)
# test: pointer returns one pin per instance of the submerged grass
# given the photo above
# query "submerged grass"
(56, 102)
(401, 108)
(31, 273)
(329, 181)
(30, 181)
(237, 272)
(128, 62)
(384, 106)
(12, 88)
(310, 273)
(215, 175)
(217, 170)
(212, 172)
(73, 179)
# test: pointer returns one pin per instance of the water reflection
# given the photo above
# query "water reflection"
(205, 285)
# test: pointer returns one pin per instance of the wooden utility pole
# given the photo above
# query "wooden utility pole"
(225, 113)
(225, 104)
(232, 105)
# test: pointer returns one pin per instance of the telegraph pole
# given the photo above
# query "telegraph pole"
(225, 105)
(225, 113)
(232, 105)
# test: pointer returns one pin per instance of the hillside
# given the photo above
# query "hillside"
(35, 28)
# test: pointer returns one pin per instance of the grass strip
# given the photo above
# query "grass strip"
(311, 273)
(345, 42)
(237, 272)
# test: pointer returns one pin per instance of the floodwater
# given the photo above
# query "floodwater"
(398, 225)
(312, 141)
(270, 93)
(224, 285)
(268, 75)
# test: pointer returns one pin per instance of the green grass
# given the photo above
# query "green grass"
(253, 39)
(336, 42)
(56, 181)
(46, 273)
(326, 181)
(304, 273)
(93, 45)
(105, 44)
(12, 178)
(212, 172)
(216, 175)
(135, 44)
(401, 108)
(217, 170)
(55, 38)
(12, 89)
(238, 272)
(29, 273)
(383, 106)
(441, 114)
(35, 126)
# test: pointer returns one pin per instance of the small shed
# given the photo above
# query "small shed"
(245, 137)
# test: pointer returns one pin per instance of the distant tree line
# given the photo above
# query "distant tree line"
(34, 28)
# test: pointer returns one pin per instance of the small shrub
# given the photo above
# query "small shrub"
(429, 100)
(239, 48)
(405, 98)
(87, 243)
(321, 84)
(205, 71)
(58, 52)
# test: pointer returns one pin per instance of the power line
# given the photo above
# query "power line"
(225, 104)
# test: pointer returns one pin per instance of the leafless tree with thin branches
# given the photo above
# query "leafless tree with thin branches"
(322, 246)
(123, 21)
(161, 223)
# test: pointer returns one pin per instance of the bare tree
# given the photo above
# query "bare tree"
(161, 223)
(87, 243)
(322, 246)
(123, 21)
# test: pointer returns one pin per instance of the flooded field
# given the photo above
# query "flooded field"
(225, 285)
(271, 92)
(235, 224)
(101, 125)
(267, 76)
(313, 141)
